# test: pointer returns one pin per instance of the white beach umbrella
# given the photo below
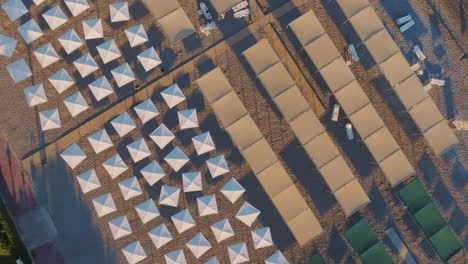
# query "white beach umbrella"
(130, 188)
(70, 41)
(115, 166)
(119, 12)
(162, 136)
(207, 205)
(123, 124)
(46, 55)
(123, 75)
(262, 238)
(136, 35)
(92, 29)
(173, 95)
(134, 252)
(169, 195)
(203, 143)
(73, 155)
(7, 45)
(212, 260)
(238, 253)
(108, 51)
(120, 227)
(247, 214)
(192, 181)
(152, 173)
(35, 95)
(146, 110)
(232, 190)
(217, 166)
(101, 88)
(19, 70)
(88, 181)
(30, 31)
(85, 65)
(55, 17)
(76, 103)
(276, 258)
(61, 80)
(104, 205)
(222, 230)
(100, 141)
(50, 119)
(138, 150)
(198, 245)
(183, 221)
(160, 235)
(38, 2)
(14, 9)
(187, 118)
(147, 211)
(149, 59)
(175, 257)
(176, 159)
(76, 7)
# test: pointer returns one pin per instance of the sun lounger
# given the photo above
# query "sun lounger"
(242, 13)
(336, 111)
(407, 26)
(349, 131)
(437, 82)
(403, 20)
(417, 50)
(240, 6)
(353, 52)
(400, 246)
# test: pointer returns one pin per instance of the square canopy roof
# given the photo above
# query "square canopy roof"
(396, 168)
(177, 25)
(440, 137)
(221, 6)
(214, 85)
(261, 56)
(366, 121)
(350, 8)
(322, 51)
(426, 114)
(259, 155)
(336, 174)
(228, 109)
(244, 132)
(352, 197)
(160, 8)
(291, 103)
(381, 144)
(352, 98)
(381, 46)
(396, 69)
(306, 126)
(410, 91)
(337, 74)
(306, 28)
(289, 203)
(274, 179)
(305, 227)
(366, 23)
(276, 79)
(321, 150)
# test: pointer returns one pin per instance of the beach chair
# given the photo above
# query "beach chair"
(349, 131)
(400, 246)
(242, 13)
(417, 50)
(335, 112)
(437, 82)
(240, 6)
(352, 50)
(403, 20)
(407, 26)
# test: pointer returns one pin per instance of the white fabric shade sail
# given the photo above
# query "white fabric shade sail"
(138, 150)
(108, 51)
(183, 221)
(70, 41)
(207, 205)
(120, 227)
(247, 214)
(203, 143)
(222, 230)
(187, 118)
(104, 205)
(101, 88)
(76, 7)
(19, 70)
(160, 235)
(100, 141)
(149, 59)
(35, 95)
(73, 155)
(115, 166)
(172, 95)
(217, 166)
(14, 9)
(162, 136)
(146, 110)
(76, 103)
(92, 29)
(130, 188)
(232, 190)
(136, 35)
(169, 195)
(46, 55)
(262, 238)
(85, 65)
(50, 119)
(7, 45)
(61, 80)
(175, 257)
(55, 17)
(198, 245)
(238, 253)
(152, 173)
(30, 31)
(176, 159)
(88, 181)
(192, 181)
(123, 75)
(119, 12)
(123, 124)
(147, 211)
(134, 252)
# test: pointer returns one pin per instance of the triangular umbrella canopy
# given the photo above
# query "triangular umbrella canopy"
(147, 211)
(100, 141)
(101, 88)
(7, 45)
(160, 235)
(92, 29)
(169, 195)
(232, 190)
(46, 55)
(146, 110)
(76, 103)
(88, 181)
(76, 7)
(104, 205)
(152, 173)
(238, 253)
(30, 31)
(55, 17)
(247, 214)
(212, 260)
(222, 230)
(136, 35)
(176, 159)
(183, 221)
(217, 166)
(138, 150)
(162, 136)
(119, 12)
(134, 252)
(108, 51)
(207, 205)
(262, 238)
(19, 70)
(70, 41)
(149, 59)
(198, 245)
(130, 188)
(14, 9)
(120, 227)
(35, 95)
(175, 257)
(73, 155)
(276, 258)
(50, 119)
(203, 143)
(173, 95)
(115, 166)
(85, 65)
(123, 75)
(192, 181)
(123, 124)
(187, 118)
(61, 80)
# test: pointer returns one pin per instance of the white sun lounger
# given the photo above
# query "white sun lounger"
(417, 50)
(242, 13)
(407, 26)
(353, 52)
(335, 112)
(437, 82)
(349, 131)
(402, 20)
(240, 6)
(400, 246)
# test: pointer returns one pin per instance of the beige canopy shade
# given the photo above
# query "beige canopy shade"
(410, 91)
(381, 46)
(351, 197)
(426, 114)
(352, 98)
(397, 168)
(259, 155)
(261, 56)
(276, 79)
(291, 103)
(336, 174)
(275, 179)
(221, 6)
(381, 144)
(306, 126)
(336, 74)
(238, 135)
(322, 51)
(366, 121)
(160, 8)
(321, 150)
(306, 28)
(229, 109)
(350, 8)
(214, 85)
(366, 23)
(396, 69)
(440, 137)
